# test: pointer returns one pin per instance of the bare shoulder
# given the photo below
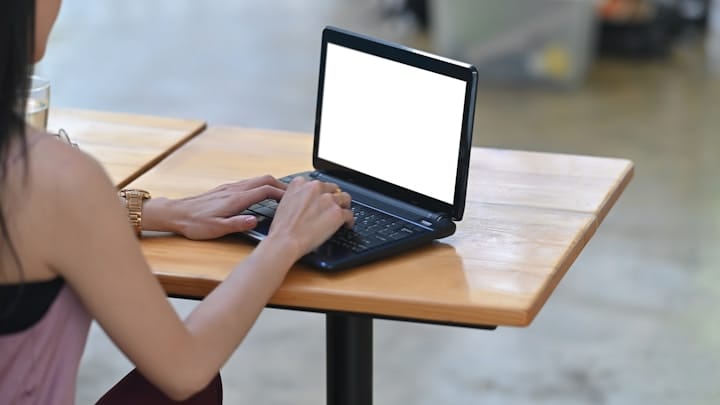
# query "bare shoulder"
(56, 165)
(67, 184)
(64, 192)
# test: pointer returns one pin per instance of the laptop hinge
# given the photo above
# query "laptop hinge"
(433, 218)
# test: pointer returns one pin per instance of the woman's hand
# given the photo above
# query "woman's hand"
(309, 213)
(214, 213)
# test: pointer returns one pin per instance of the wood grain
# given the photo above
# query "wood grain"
(528, 217)
(127, 145)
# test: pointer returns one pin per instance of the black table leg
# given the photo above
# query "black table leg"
(349, 359)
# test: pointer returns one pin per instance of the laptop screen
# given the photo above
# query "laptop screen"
(395, 114)
(392, 121)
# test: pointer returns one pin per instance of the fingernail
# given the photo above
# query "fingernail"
(250, 220)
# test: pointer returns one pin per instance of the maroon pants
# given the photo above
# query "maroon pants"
(135, 389)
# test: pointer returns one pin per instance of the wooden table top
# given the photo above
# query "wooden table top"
(527, 218)
(126, 144)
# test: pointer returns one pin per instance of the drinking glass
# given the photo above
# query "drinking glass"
(38, 102)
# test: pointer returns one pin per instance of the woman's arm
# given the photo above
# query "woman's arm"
(214, 213)
(97, 253)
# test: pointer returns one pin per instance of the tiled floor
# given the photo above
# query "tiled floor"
(637, 318)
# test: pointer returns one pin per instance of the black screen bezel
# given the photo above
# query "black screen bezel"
(418, 59)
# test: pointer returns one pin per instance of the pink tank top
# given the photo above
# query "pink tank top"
(39, 365)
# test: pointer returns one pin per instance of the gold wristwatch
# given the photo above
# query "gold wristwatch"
(133, 200)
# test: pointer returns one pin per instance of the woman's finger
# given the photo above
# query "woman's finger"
(331, 188)
(342, 198)
(255, 182)
(349, 218)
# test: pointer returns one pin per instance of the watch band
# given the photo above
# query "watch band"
(133, 199)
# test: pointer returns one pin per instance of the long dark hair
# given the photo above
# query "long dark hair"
(17, 49)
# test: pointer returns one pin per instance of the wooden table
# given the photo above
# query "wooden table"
(127, 145)
(528, 216)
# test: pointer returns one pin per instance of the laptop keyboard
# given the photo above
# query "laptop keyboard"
(372, 227)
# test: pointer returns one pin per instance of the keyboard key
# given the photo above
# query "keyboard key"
(269, 203)
(398, 235)
(266, 211)
(385, 231)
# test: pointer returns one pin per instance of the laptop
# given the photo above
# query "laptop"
(393, 127)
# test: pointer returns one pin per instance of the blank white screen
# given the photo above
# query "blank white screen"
(392, 121)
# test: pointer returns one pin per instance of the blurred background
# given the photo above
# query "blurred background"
(635, 320)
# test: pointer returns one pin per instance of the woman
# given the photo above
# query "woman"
(68, 255)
